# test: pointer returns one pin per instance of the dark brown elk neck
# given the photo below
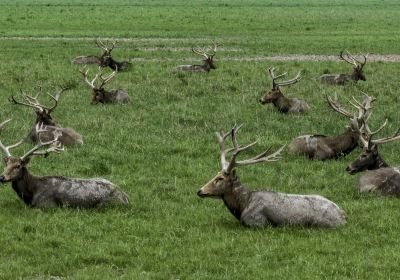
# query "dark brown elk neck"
(343, 143)
(237, 200)
(282, 103)
(26, 186)
(379, 163)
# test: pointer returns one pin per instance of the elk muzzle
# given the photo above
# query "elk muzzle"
(2, 179)
(351, 170)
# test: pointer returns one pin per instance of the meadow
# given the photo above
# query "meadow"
(162, 148)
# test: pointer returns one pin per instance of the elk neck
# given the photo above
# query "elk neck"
(237, 199)
(345, 142)
(282, 103)
(26, 186)
(379, 163)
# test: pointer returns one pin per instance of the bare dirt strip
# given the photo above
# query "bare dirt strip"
(290, 57)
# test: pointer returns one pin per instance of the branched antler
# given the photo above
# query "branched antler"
(237, 149)
(352, 60)
(99, 75)
(6, 149)
(54, 146)
(276, 84)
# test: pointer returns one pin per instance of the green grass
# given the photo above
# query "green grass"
(162, 148)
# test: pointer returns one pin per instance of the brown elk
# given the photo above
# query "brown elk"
(379, 177)
(342, 79)
(326, 147)
(281, 102)
(264, 207)
(43, 117)
(100, 95)
(54, 191)
(208, 62)
(105, 60)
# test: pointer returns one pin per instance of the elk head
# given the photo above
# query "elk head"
(43, 113)
(369, 158)
(15, 165)
(358, 73)
(99, 93)
(208, 54)
(222, 183)
(107, 47)
(275, 93)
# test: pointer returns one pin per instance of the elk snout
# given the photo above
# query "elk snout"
(2, 178)
(351, 170)
(201, 194)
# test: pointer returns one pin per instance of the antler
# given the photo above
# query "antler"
(229, 166)
(105, 47)
(99, 75)
(275, 84)
(351, 59)
(6, 150)
(363, 107)
(55, 145)
(206, 51)
(33, 102)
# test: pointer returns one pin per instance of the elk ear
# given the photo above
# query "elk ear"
(25, 161)
(5, 159)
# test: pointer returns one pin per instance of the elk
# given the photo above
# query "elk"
(264, 207)
(208, 63)
(323, 147)
(379, 178)
(105, 60)
(43, 117)
(100, 95)
(281, 102)
(54, 191)
(342, 79)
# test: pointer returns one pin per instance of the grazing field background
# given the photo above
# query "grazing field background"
(162, 148)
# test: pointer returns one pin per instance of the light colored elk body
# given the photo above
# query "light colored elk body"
(281, 102)
(379, 178)
(68, 135)
(323, 147)
(100, 95)
(55, 191)
(105, 60)
(208, 62)
(263, 208)
(342, 79)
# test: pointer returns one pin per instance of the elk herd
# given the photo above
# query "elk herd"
(252, 208)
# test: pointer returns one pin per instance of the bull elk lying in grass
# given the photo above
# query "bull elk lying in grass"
(326, 147)
(100, 95)
(342, 79)
(264, 207)
(281, 102)
(208, 63)
(105, 60)
(380, 178)
(54, 191)
(43, 118)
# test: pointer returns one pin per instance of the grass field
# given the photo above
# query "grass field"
(162, 148)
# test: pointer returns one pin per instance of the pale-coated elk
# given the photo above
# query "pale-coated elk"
(208, 61)
(100, 95)
(54, 191)
(281, 102)
(342, 79)
(105, 60)
(43, 117)
(264, 207)
(379, 178)
(323, 147)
